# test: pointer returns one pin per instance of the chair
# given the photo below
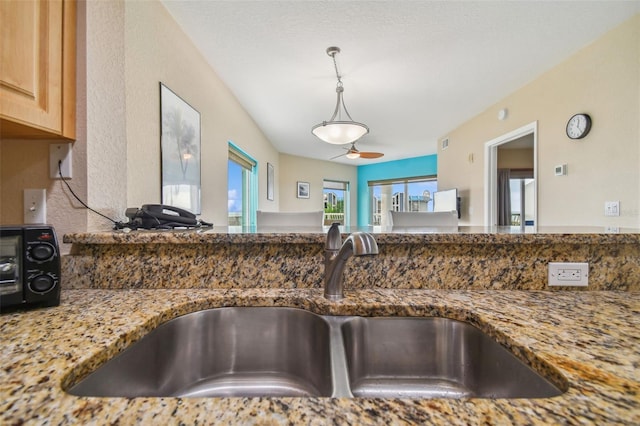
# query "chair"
(424, 219)
(289, 219)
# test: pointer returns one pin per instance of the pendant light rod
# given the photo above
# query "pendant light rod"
(333, 51)
(339, 131)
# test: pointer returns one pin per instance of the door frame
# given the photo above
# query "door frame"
(491, 172)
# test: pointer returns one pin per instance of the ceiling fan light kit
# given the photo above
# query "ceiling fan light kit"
(339, 132)
(353, 153)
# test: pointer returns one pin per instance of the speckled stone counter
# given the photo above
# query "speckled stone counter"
(462, 258)
(587, 339)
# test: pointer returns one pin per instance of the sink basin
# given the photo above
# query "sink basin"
(222, 352)
(434, 358)
(286, 352)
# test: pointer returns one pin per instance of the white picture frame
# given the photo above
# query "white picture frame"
(270, 178)
(304, 189)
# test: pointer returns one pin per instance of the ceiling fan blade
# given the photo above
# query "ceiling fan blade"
(364, 154)
(338, 156)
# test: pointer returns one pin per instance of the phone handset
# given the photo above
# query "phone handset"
(161, 216)
(162, 213)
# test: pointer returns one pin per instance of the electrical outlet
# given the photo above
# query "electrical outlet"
(60, 152)
(35, 206)
(568, 274)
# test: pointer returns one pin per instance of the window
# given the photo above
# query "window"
(336, 202)
(242, 188)
(402, 195)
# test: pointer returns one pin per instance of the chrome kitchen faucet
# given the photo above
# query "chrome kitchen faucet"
(336, 255)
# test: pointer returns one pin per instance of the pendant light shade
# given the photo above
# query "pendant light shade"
(338, 130)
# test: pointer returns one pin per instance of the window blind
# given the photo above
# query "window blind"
(241, 159)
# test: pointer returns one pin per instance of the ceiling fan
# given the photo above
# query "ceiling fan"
(353, 153)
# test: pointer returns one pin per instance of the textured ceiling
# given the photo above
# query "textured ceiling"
(412, 70)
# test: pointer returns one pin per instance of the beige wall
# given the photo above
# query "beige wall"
(603, 80)
(106, 115)
(157, 50)
(515, 158)
(128, 49)
(294, 169)
(99, 152)
(131, 46)
(24, 164)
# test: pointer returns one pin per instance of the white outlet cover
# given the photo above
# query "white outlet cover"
(578, 279)
(60, 152)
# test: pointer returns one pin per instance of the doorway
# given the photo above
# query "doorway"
(524, 136)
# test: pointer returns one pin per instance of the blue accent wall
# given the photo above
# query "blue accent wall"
(398, 169)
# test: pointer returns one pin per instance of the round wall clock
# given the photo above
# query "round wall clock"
(578, 126)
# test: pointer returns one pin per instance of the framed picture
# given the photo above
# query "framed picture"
(303, 189)
(270, 181)
(180, 151)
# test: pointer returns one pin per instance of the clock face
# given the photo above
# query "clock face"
(578, 126)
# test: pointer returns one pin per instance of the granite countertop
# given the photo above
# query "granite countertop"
(589, 338)
(388, 235)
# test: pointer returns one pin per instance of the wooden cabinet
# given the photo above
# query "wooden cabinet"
(37, 69)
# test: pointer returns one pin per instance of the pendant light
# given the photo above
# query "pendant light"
(338, 130)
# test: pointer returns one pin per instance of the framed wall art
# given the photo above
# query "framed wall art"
(303, 189)
(270, 177)
(180, 151)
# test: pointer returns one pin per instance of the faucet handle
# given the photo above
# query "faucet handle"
(364, 244)
(334, 239)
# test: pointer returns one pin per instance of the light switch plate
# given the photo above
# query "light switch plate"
(35, 206)
(612, 208)
(560, 170)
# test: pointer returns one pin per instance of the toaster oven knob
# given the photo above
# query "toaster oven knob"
(42, 252)
(42, 284)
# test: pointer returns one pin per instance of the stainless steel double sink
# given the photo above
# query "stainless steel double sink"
(287, 352)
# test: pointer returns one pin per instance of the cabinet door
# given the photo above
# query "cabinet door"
(32, 67)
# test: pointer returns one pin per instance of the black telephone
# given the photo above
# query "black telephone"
(161, 216)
